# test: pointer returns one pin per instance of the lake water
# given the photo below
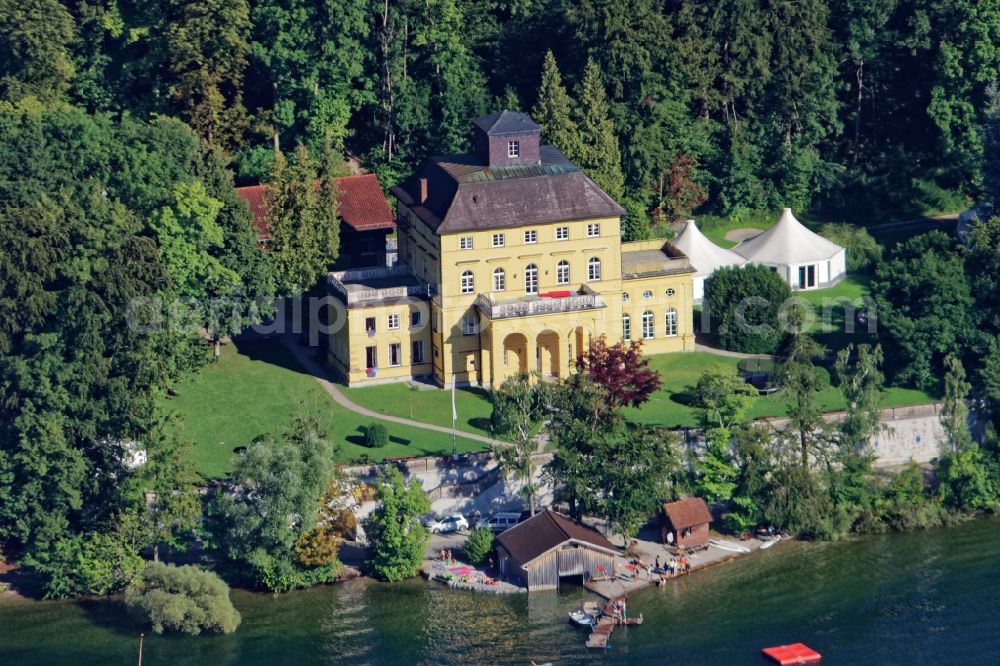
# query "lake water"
(921, 598)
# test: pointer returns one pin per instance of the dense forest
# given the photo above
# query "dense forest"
(852, 109)
(125, 125)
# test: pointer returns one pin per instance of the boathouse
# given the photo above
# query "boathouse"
(549, 546)
(685, 523)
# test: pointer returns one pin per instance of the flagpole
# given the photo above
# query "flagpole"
(454, 417)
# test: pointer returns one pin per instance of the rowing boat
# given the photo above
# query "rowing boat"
(581, 618)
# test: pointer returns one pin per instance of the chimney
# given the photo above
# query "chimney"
(423, 190)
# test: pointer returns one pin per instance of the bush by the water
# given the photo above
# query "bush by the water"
(376, 436)
(744, 305)
(478, 545)
(187, 599)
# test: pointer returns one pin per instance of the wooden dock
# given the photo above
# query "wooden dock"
(602, 631)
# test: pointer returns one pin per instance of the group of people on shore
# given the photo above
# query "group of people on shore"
(674, 566)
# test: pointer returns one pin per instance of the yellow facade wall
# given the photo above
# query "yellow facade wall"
(463, 346)
(349, 345)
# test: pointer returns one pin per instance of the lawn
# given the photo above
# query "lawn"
(671, 405)
(427, 404)
(258, 388)
(835, 308)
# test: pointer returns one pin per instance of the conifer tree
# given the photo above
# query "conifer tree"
(305, 234)
(599, 152)
(553, 111)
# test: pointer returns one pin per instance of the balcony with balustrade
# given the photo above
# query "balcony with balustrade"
(370, 286)
(540, 304)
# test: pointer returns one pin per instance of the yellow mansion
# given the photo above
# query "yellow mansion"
(510, 260)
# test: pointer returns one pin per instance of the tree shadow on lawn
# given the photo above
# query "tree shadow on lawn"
(481, 423)
(271, 350)
(359, 439)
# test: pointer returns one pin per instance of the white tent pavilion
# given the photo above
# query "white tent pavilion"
(705, 256)
(803, 259)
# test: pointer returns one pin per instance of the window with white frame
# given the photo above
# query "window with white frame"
(468, 282)
(499, 280)
(470, 324)
(497, 240)
(562, 233)
(671, 322)
(670, 292)
(531, 279)
(562, 272)
(530, 236)
(393, 321)
(626, 327)
(594, 269)
(624, 297)
(647, 294)
(593, 230)
(395, 355)
(465, 243)
(647, 325)
(513, 149)
(415, 318)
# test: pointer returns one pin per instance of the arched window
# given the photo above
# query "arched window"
(594, 269)
(626, 327)
(468, 282)
(671, 322)
(499, 280)
(647, 325)
(562, 272)
(531, 279)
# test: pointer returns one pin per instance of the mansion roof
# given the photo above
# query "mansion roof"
(464, 193)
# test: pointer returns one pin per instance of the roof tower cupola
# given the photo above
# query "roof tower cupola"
(506, 138)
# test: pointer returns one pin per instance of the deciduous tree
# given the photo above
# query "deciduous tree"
(621, 370)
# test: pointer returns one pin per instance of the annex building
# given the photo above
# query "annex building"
(510, 259)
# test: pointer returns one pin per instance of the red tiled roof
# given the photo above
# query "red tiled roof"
(255, 196)
(543, 532)
(687, 513)
(362, 204)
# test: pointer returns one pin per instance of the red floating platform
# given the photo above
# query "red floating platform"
(796, 653)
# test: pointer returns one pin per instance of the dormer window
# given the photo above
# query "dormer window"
(513, 149)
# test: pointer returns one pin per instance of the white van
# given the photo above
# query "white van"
(500, 522)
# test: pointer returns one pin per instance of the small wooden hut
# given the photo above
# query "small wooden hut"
(549, 546)
(685, 523)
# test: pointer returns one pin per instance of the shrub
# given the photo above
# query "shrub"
(744, 305)
(376, 436)
(863, 252)
(478, 545)
(186, 599)
(98, 563)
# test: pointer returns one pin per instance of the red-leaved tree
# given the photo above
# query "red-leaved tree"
(621, 370)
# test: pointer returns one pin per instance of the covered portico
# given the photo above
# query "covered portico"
(547, 342)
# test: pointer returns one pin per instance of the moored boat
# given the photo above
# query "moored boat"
(581, 618)
(727, 545)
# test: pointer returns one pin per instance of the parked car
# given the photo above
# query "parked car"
(450, 523)
(500, 522)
